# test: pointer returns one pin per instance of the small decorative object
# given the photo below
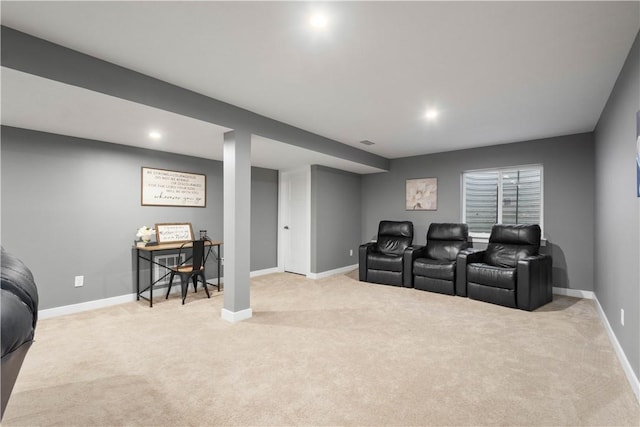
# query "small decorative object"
(145, 233)
(422, 194)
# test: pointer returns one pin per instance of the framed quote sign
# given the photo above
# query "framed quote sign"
(161, 187)
(174, 232)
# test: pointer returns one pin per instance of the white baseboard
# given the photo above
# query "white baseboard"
(107, 302)
(265, 271)
(577, 293)
(236, 316)
(85, 306)
(328, 273)
(626, 366)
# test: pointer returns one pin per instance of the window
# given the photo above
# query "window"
(501, 196)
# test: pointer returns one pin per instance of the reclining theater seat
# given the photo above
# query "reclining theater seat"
(434, 266)
(19, 301)
(510, 272)
(382, 261)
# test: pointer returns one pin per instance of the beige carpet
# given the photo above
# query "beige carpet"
(325, 352)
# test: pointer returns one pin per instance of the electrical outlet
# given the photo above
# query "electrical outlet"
(79, 281)
(350, 252)
(622, 316)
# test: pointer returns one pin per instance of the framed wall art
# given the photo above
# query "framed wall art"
(174, 232)
(161, 187)
(422, 194)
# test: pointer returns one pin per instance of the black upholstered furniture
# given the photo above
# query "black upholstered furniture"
(433, 266)
(510, 272)
(382, 261)
(19, 300)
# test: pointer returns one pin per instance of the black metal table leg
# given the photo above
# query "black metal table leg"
(137, 274)
(150, 278)
(219, 268)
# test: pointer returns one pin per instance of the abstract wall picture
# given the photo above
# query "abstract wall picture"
(422, 194)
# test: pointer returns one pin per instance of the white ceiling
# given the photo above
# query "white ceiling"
(33, 102)
(498, 72)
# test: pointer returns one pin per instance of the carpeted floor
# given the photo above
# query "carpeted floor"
(324, 352)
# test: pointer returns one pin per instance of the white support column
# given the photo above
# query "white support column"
(237, 225)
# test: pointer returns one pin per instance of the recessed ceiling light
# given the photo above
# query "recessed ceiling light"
(318, 20)
(431, 114)
(155, 135)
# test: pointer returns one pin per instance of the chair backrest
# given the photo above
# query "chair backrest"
(198, 257)
(394, 237)
(508, 243)
(445, 240)
(198, 254)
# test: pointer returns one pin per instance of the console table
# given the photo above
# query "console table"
(147, 253)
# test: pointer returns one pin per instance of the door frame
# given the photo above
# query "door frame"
(282, 205)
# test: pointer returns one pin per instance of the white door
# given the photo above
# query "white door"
(294, 220)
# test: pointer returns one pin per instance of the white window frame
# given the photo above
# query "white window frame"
(484, 237)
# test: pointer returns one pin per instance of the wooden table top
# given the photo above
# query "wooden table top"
(176, 245)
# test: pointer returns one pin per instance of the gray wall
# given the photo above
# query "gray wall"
(335, 218)
(264, 218)
(617, 212)
(72, 207)
(568, 163)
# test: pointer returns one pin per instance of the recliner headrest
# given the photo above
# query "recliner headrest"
(396, 228)
(448, 231)
(17, 279)
(19, 306)
(521, 234)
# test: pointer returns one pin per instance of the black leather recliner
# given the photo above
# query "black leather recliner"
(510, 272)
(433, 266)
(382, 261)
(19, 301)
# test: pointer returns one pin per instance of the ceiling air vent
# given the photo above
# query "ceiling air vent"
(367, 142)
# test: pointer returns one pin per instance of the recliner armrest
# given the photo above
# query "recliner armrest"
(534, 287)
(465, 257)
(411, 254)
(363, 251)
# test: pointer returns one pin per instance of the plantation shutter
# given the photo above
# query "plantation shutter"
(506, 196)
(481, 200)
